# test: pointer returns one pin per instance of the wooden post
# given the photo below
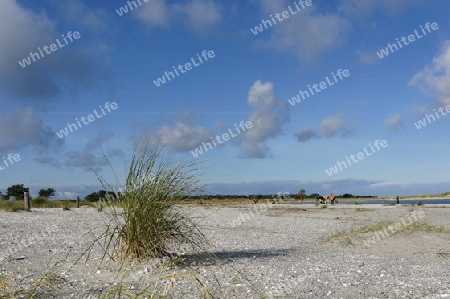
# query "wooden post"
(78, 202)
(26, 199)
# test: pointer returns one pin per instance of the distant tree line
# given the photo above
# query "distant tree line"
(17, 191)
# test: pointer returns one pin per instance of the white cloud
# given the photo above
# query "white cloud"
(250, 150)
(197, 15)
(313, 32)
(305, 134)
(308, 33)
(182, 134)
(267, 117)
(435, 77)
(155, 13)
(268, 114)
(330, 126)
(394, 123)
(71, 69)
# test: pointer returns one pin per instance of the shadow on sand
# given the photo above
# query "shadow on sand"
(224, 257)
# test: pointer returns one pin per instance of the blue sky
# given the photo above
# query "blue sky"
(250, 78)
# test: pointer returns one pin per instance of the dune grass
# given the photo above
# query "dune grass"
(143, 221)
(382, 225)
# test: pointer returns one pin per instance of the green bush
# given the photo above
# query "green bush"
(149, 224)
(38, 201)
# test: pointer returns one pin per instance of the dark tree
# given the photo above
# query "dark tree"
(16, 191)
(47, 192)
(102, 194)
(94, 196)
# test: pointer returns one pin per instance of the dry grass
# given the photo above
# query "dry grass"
(346, 236)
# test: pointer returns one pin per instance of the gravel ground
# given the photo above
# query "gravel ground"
(273, 251)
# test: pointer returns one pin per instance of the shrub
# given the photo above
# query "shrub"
(149, 224)
(38, 201)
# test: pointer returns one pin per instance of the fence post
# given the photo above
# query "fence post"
(26, 199)
(78, 202)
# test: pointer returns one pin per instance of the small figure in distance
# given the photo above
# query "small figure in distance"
(301, 199)
(332, 198)
(398, 199)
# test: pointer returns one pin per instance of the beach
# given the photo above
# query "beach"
(280, 251)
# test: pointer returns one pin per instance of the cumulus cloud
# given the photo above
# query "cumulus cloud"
(330, 126)
(305, 134)
(20, 128)
(250, 150)
(22, 31)
(197, 15)
(182, 134)
(394, 123)
(435, 77)
(307, 34)
(315, 31)
(268, 115)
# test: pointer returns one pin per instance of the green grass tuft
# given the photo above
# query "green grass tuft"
(148, 224)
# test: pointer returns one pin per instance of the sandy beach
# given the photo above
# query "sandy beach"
(260, 251)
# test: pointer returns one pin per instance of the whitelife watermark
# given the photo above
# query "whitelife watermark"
(323, 85)
(11, 158)
(284, 15)
(394, 228)
(35, 237)
(411, 38)
(360, 156)
(187, 67)
(124, 9)
(258, 209)
(27, 61)
(423, 123)
(90, 118)
(199, 150)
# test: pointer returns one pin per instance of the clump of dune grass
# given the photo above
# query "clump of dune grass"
(420, 226)
(144, 221)
(346, 236)
(18, 286)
